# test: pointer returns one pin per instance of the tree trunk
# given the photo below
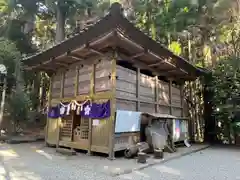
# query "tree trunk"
(60, 29)
(29, 24)
(43, 91)
(36, 88)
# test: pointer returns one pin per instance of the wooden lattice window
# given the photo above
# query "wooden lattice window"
(66, 130)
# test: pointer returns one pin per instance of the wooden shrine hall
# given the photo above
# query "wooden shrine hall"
(110, 66)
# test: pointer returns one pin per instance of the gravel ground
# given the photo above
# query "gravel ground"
(31, 162)
(209, 164)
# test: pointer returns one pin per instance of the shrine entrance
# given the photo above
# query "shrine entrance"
(81, 131)
(87, 129)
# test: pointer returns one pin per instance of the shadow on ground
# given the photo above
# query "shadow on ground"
(33, 161)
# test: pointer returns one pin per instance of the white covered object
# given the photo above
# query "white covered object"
(158, 140)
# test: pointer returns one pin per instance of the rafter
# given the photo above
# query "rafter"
(95, 51)
(75, 56)
(137, 55)
(157, 64)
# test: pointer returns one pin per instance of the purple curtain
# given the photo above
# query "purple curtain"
(96, 111)
(53, 112)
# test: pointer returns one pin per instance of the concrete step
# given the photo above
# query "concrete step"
(20, 139)
(65, 151)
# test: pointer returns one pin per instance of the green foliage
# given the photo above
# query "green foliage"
(225, 84)
(14, 17)
(236, 127)
(18, 107)
(175, 47)
(9, 56)
(17, 102)
(226, 80)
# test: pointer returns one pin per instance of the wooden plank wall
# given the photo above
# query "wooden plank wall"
(126, 89)
(69, 81)
(163, 97)
(176, 101)
(56, 85)
(146, 94)
(81, 82)
(149, 97)
(84, 78)
(102, 73)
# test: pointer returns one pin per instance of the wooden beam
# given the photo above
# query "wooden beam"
(61, 64)
(48, 63)
(75, 56)
(59, 124)
(182, 99)
(148, 102)
(142, 65)
(137, 55)
(99, 53)
(170, 96)
(156, 94)
(40, 68)
(157, 64)
(52, 61)
(138, 89)
(48, 106)
(122, 37)
(92, 92)
(182, 77)
(177, 75)
(167, 72)
(65, 65)
(62, 85)
(76, 81)
(29, 68)
(95, 51)
(139, 64)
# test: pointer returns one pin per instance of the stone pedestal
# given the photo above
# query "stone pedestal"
(158, 153)
(142, 157)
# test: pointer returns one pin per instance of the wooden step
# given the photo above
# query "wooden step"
(65, 151)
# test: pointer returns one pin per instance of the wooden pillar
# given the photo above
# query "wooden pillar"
(113, 107)
(92, 91)
(59, 121)
(156, 95)
(75, 94)
(138, 89)
(76, 81)
(62, 85)
(48, 106)
(182, 99)
(170, 97)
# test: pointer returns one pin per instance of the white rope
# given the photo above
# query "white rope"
(65, 105)
(73, 105)
(81, 104)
